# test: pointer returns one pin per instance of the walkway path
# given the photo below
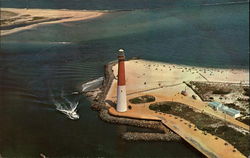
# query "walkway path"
(209, 145)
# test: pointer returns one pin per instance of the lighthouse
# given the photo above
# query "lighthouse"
(121, 84)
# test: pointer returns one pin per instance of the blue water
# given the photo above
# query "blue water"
(35, 64)
(108, 4)
(205, 36)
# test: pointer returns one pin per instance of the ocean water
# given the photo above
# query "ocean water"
(109, 4)
(206, 36)
(42, 62)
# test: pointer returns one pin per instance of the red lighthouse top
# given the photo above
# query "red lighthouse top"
(121, 68)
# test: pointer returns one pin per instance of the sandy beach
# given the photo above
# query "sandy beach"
(163, 78)
(28, 18)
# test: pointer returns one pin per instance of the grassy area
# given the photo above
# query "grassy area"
(237, 139)
(199, 119)
(142, 99)
(222, 91)
(245, 120)
(7, 21)
(214, 88)
(206, 123)
(37, 18)
(7, 14)
(232, 105)
(247, 91)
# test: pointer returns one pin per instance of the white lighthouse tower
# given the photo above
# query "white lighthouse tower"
(121, 84)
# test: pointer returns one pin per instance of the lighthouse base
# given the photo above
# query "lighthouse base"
(121, 99)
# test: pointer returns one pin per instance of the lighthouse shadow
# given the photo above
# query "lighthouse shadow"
(111, 103)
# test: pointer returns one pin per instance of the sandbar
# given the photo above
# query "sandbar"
(15, 20)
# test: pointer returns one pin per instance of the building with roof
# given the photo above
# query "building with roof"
(220, 107)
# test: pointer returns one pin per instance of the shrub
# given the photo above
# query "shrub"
(38, 18)
(221, 91)
(142, 99)
(247, 91)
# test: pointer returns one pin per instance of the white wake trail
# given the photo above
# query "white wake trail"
(67, 107)
(92, 84)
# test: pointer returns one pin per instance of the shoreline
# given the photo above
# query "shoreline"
(31, 18)
(98, 103)
(210, 67)
(155, 74)
(172, 78)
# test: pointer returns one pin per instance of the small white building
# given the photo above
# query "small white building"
(220, 107)
(215, 105)
(232, 112)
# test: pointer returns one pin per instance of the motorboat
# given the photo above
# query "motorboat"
(72, 114)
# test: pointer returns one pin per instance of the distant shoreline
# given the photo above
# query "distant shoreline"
(14, 20)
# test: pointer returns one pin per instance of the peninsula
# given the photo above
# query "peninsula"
(177, 101)
(14, 20)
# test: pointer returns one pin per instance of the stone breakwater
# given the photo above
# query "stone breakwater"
(170, 136)
(97, 99)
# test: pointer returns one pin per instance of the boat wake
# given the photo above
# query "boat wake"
(92, 84)
(67, 107)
